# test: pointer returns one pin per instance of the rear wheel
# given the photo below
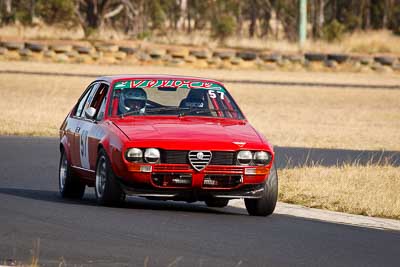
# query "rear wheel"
(69, 185)
(217, 202)
(108, 191)
(265, 205)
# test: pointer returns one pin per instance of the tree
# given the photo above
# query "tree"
(7, 12)
(92, 13)
(56, 11)
(318, 14)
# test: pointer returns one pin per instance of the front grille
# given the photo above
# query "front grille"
(199, 159)
(181, 157)
(222, 158)
(175, 157)
(226, 181)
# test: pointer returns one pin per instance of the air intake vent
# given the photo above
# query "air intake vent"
(199, 159)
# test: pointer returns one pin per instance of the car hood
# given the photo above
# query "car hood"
(190, 133)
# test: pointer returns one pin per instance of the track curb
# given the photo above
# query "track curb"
(329, 216)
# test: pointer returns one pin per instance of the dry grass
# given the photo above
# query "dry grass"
(367, 42)
(223, 74)
(36, 105)
(323, 117)
(46, 32)
(288, 116)
(366, 190)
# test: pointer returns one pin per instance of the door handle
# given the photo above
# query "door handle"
(77, 129)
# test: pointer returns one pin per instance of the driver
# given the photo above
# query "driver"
(132, 100)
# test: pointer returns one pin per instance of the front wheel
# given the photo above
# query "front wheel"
(265, 205)
(108, 191)
(69, 185)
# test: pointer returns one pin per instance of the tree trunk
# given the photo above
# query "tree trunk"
(367, 15)
(8, 16)
(388, 4)
(92, 15)
(189, 18)
(321, 17)
(253, 18)
(239, 19)
(318, 11)
(32, 10)
(183, 13)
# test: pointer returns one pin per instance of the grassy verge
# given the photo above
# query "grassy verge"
(365, 190)
(378, 41)
(287, 116)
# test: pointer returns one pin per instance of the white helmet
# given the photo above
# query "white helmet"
(132, 99)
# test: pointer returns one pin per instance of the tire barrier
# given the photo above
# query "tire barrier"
(152, 54)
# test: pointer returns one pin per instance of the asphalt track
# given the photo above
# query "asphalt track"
(33, 219)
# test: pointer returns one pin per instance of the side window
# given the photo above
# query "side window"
(82, 102)
(100, 114)
(100, 100)
(91, 99)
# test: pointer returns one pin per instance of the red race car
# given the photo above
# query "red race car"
(165, 137)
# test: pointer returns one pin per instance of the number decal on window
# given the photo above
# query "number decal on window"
(214, 94)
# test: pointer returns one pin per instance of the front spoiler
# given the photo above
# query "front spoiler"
(193, 194)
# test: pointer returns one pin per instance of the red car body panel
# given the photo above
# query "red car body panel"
(81, 139)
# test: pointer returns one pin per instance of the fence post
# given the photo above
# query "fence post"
(302, 22)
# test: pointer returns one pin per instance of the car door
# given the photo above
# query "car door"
(72, 128)
(89, 131)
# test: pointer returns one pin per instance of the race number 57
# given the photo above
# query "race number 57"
(214, 94)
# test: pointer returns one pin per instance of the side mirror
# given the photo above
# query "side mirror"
(90, 112)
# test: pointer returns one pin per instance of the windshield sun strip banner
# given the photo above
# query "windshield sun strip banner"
(185, 84)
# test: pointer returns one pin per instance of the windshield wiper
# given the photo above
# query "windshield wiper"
(151, 110)
(197, 111)
(133, 112)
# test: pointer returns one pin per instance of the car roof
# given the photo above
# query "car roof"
(113, 78)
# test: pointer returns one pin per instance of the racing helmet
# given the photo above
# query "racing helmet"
(195, 99)
(132, 99)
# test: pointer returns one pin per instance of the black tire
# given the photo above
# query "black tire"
(217, 202)
(265, 205)
(385, 60)
(35, 47)
(339, 58)
(272, 58)
(224, 54)
(108, 191)
(69, 185)
(315, 57)
(247, 55)
(83, 50)
(13, 45)
(127, 50)
(200, 54)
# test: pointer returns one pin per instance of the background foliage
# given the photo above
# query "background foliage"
(328, 19)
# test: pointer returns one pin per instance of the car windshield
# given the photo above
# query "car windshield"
(172, 97)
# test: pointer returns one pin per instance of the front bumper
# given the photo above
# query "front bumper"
(181, 182)
(193, 194)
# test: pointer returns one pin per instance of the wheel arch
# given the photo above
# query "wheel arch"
(63, 147)
(113, 147)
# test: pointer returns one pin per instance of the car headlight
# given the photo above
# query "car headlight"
(244, 157)
(152, 155)
(134, 155)
(261, 158)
